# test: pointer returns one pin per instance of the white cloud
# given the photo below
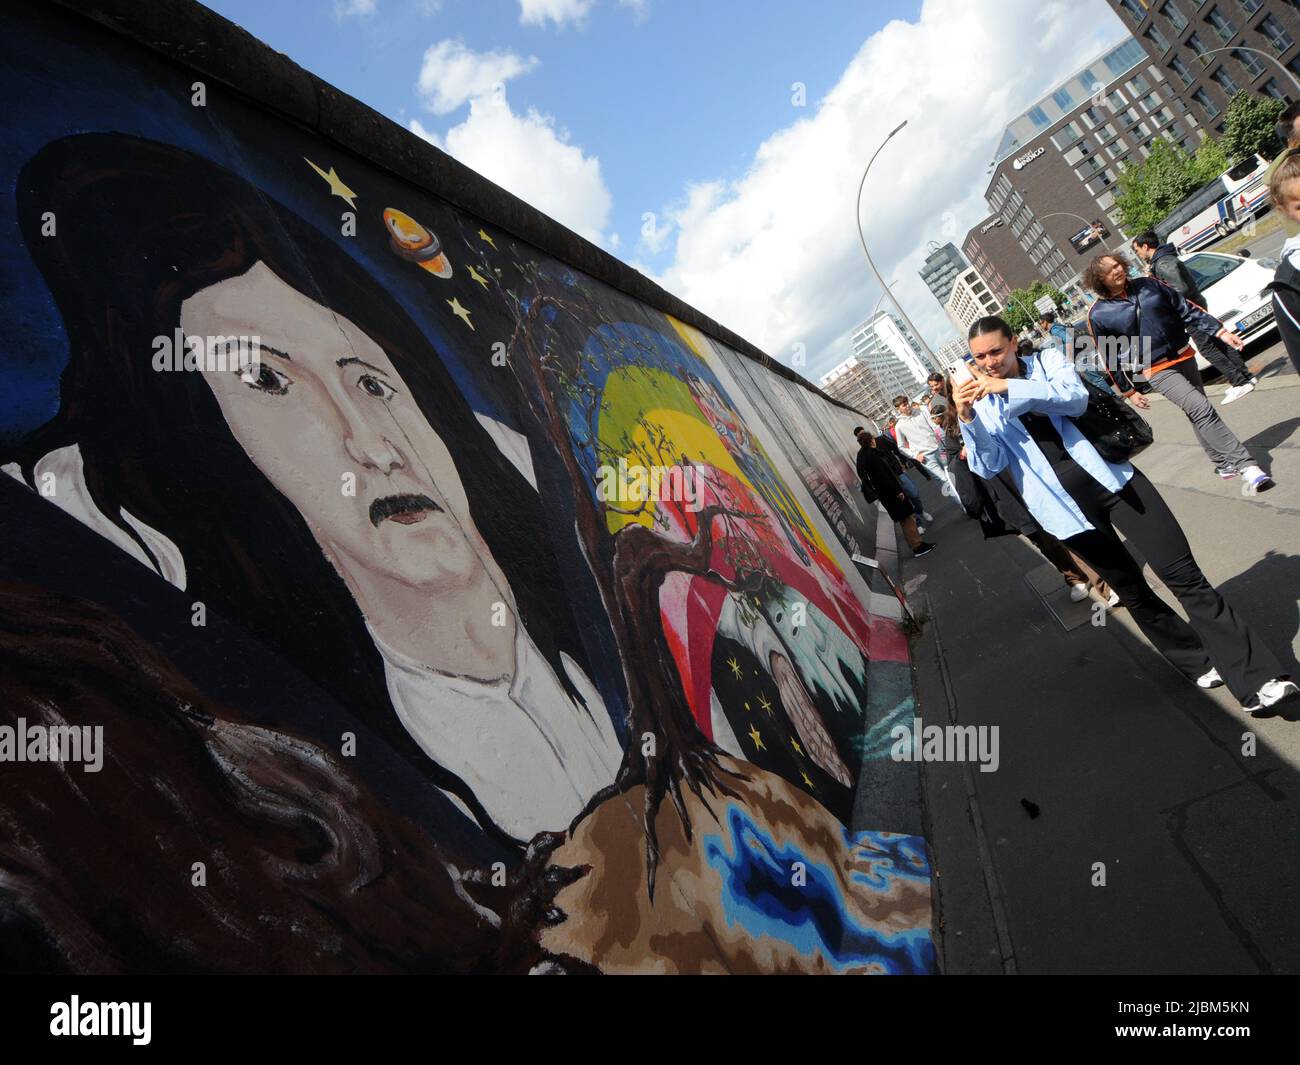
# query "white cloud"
(640, 8)
(360, 8)
(775, 255)
(528, 155)
(451, 74)
(539, 12)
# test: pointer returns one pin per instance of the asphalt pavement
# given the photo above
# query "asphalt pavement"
(1134, 823)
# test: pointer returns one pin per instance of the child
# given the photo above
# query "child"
(1284, 191)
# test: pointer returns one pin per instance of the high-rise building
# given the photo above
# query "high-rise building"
(971, 298)
(893, 353)
(1211, 49)
(887, 361)
(1052, 177)
(941, 268)
(951, 354)
(852, 382)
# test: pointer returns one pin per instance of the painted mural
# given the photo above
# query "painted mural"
(441, 608)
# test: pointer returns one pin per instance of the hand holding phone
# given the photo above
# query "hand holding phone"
(961, 372)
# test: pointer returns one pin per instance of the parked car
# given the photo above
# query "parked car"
(1233, 286)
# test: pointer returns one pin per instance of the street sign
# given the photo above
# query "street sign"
(1044, 304)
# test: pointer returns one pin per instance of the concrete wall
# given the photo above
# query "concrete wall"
(325, 537)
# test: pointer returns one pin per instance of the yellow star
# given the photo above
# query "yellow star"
(460, 312)
(485, 236)
(734, 667)
(337, 188)
(478, 277)
(758, 740)
(762, 701)
(797, 748)
(807, 781)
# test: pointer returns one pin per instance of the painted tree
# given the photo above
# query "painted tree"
(561, 357)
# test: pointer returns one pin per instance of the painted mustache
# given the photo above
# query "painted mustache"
(407, 509)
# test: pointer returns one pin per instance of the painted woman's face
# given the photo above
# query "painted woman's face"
(326, 402)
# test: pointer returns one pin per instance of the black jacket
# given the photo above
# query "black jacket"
(1286, 308)
(893, 456)
(1167, 267)
(1166, 316)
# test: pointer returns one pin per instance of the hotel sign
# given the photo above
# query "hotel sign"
(1024, 160)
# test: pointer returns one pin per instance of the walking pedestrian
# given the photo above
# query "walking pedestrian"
(880, 483)
(1150, 313)
(1164, 265)
(1288, 132)
(919, 437)
(894, 458)
(1285, 194)
(935, 402)
(1060, 336)
(1017, 416)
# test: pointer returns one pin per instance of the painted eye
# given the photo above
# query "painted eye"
(265, 378)
(373, 386)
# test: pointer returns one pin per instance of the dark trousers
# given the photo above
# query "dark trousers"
(1216, 635)
(1223, 358)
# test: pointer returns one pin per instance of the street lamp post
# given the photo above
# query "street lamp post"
(861, 236)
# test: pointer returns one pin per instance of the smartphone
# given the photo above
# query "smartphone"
(961, 373)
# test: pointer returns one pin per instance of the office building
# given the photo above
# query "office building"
(1053, 175)
(941, 268)
(970, 299)
(1202, 48)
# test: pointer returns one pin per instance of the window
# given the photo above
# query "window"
(1224, 80)
(1062, 99)
(1039, 117)
(1250, 6)
(1128, 119)
(1222, 26)
(1115, 100)
(1149, 102)
(1164, 116)
(1065, 136)
(1203, 98)
(1158, 40)
(1273, 89)
(1210, 269)
(1198, 46)
(1126, 56)
(1089, 82)
(1250, 61)
(1105, 133)
(1133, 9)
(1137, 86)
(1183, 71)
(1176, 18)
(1116, 150)
(1092, 118)
(1276, 33)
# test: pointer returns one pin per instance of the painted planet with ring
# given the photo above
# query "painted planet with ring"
(416, 243)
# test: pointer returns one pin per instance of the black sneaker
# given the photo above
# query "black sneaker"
(922, 549)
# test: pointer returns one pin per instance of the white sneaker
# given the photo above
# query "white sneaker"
(1210, 680)
(1274, 693)
(920, 529)
(1112, 599)
(1254, 480)
(1078, 593)
(1236, 392)
(927, 517)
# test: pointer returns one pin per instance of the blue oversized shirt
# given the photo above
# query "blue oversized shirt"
(996, 441)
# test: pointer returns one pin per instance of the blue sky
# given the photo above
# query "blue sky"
(614, 108)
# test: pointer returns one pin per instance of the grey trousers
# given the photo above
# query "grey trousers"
(1181, 385)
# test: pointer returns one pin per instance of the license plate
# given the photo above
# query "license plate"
(1253, 319)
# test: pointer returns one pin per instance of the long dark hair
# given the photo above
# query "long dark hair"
(141, 226)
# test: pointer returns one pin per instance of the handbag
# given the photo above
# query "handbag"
(1115, 429)
(1110, 425)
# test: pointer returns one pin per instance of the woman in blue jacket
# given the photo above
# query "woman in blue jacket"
(1016, 415)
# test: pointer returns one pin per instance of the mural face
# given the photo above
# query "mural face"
(531, 573)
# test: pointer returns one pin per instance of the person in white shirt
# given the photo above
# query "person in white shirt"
(921, 439)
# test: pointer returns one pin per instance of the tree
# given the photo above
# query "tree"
(1148, 191)
(1020, 312)
(1250, 126)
